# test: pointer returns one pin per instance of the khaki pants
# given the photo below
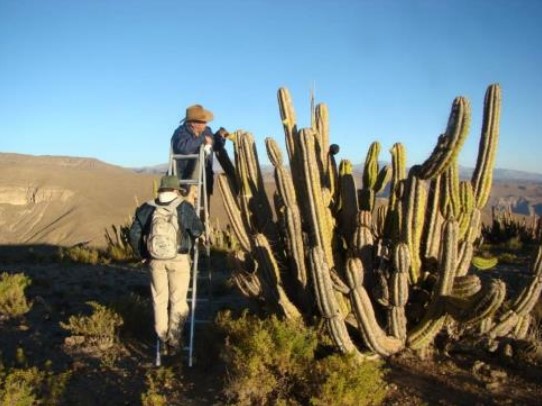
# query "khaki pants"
(169, 287)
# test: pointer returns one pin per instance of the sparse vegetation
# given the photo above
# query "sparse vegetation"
(272, 361)
(99, 329)
(118, 248)
(512, 232)
(341, 278)
(80, 254)
(28, 386)
(164, 387)
(343, 380)
(13, 302)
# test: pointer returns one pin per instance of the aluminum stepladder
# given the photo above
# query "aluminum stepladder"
(201, 204)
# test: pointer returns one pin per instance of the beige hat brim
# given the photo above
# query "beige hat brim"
(198, 113)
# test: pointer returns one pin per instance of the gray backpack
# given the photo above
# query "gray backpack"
(164, 238)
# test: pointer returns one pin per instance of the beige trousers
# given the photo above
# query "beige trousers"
(169, 287)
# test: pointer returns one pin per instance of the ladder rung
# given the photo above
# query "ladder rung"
(188, 156)
(198, 300)
(189, 181)
(199, 321)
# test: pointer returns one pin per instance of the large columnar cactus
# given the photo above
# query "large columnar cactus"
(382, 277)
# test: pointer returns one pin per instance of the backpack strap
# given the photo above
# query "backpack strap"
(172, 204)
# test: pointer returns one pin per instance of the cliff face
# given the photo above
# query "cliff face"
(65, 200)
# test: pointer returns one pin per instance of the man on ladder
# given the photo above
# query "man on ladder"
(192, 134)
(191, 160)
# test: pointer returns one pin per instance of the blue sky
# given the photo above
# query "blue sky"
(112, 79)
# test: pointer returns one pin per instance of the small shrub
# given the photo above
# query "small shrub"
(274, 362)
(343, 380)
(13, 301)
(266, 358)
(80, 254)
(162, 387)
(100, 328)
(118, 247)
(31, 386)
(509, 258)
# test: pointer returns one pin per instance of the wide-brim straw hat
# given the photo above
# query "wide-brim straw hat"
(196, 112)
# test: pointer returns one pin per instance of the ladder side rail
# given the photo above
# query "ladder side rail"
(201, 204)
(193, 304)
(195, 263)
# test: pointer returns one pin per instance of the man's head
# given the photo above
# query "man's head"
(169, 183)
(197, 118)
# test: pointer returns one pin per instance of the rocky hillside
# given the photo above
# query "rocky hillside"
(65, 200)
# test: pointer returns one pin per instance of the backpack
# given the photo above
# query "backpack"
(164, 238)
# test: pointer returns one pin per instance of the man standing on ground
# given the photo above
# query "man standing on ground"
(162, 233)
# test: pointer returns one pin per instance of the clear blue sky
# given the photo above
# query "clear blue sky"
(111, 79)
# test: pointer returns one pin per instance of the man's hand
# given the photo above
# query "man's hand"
(208, 140)
(223, 132)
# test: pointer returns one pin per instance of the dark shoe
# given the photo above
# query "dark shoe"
(173, 347)
(164, 350)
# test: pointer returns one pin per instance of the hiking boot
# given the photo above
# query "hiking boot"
(164, 350)
(173, 347)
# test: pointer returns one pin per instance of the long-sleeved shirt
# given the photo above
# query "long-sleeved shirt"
(185, 142)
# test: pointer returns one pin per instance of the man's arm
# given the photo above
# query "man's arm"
(138, 228)
(220, 139)
(191, 222)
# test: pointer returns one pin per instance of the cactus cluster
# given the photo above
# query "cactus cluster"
(506, 228)
(381, 277)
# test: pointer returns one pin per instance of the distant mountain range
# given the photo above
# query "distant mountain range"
(65, 201)
(499, 174)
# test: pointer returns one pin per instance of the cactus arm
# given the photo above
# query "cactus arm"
(415, 208)
(434, 222)
(485, 303)
(348, 200)
(370, 170)
(322, 140)
(524, 303)
(257, 202)
(288, 118)
(290, 212)
(398, 159)
(327, 302)
(466, 197)
(424, 333)
(374, 337)
(319, 216)
(383, 178)
(450, 142)
(399, 292)
(234, 213)
(269, 271)
(483, 171)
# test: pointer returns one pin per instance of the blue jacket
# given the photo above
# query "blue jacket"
(184, 142)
